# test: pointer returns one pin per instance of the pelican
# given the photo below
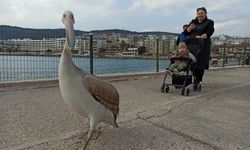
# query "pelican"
(84, 93)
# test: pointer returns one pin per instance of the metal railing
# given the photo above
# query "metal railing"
(230, 54)
(28, 59)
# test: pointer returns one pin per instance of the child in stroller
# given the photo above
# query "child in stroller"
(179, 69)
(184, 55)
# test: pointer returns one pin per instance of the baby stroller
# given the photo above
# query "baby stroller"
(182, 81)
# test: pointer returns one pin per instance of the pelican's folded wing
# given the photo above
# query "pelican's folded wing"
(103, 92)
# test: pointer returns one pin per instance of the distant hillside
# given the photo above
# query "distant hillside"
(10, 32)
(126, 32)
(13, 32)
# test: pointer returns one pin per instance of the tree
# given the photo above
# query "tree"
(122, 45)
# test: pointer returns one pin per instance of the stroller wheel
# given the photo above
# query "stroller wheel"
(183, 91)
(167, 89)
(162, 88)
(195, 87)
(187, 92)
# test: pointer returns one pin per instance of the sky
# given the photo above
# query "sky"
(231, 17)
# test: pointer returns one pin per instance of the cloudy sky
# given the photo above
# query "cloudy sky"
(231, 17)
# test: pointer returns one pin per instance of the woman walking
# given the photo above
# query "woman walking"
(200, 30)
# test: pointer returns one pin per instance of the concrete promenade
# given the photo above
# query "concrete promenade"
(33, 116)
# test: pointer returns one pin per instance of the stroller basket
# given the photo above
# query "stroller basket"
(180, 80)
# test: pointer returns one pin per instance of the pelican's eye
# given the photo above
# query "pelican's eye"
(63, 15)
(72, 16)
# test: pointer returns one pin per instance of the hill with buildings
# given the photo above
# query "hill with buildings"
(14, 32)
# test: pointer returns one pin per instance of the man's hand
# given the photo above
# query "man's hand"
(191, 27)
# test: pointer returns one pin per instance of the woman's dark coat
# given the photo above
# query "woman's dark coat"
(200, 48)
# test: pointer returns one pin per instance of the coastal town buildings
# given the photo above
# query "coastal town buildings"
(113, 44)
(116, 44)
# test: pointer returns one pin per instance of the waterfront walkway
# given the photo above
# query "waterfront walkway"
(33, 116)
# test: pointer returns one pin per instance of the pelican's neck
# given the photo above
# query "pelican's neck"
(66, 65)
(66, 61)
(66, 48)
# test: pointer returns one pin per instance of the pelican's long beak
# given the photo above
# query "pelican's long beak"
(70, 35)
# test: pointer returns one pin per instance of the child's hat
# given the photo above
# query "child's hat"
(182, 45)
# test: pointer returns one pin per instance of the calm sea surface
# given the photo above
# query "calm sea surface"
(43, 67)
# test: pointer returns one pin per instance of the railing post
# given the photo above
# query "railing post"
(157, 55)
(244, 54)
(224, 55)
(238, 55)
(91, 53)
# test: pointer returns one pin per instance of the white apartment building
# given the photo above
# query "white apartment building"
(165, 46)
(131, 52)
(55, 44)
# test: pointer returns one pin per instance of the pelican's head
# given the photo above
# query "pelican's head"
(68, 20)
